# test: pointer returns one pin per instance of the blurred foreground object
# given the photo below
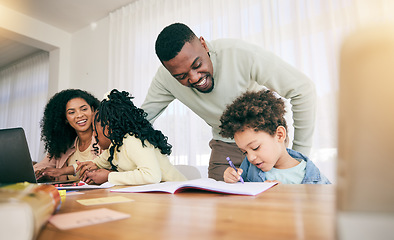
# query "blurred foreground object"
(366, 130)
(25, 208)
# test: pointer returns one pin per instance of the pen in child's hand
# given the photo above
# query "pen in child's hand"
(232, 165)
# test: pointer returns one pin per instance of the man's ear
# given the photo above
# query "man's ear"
(281, 134)
(203, 43)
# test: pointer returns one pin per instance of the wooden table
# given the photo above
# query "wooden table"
(282, 212)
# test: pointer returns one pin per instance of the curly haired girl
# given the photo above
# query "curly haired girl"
(135, 153)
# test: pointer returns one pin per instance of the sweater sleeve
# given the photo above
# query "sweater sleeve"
(158, 97)
(102, 160)
(290, 83)
(46, 162)
(136, 164)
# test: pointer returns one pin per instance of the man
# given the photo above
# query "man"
(207, 76)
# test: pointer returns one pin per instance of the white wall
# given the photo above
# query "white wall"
(89, 58)
(78, 60)
(29, 31)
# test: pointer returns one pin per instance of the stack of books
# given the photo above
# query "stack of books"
(25, 208)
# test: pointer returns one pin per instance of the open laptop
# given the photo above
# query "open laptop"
(15, 161)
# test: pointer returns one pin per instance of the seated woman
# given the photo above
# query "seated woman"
(66, 129)
(133, 152)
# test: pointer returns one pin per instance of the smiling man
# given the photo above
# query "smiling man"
(207, 76)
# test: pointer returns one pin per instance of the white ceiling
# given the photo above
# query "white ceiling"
(68, 15)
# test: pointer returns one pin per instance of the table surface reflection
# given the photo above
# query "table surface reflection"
(282, 212)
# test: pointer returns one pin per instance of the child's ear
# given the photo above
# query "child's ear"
(281, 134)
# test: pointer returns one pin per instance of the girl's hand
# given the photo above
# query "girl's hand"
(232, 176)
(96, 177)
(83, 167)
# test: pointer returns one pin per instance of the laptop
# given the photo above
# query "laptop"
(15, 160)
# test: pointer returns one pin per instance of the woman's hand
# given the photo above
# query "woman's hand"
(43, 177)
(96, 176)
(53, 172)
(49, 173)
(232, 176)
(83, 167)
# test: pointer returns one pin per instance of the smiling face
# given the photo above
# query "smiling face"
(192, 67)
(79, 115)
(262, 149)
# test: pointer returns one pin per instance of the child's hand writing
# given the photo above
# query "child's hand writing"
(232, 176)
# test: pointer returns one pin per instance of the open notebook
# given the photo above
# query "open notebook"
(206, 184)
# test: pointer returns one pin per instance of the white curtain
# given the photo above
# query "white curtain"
(305, 33)
(23, 95)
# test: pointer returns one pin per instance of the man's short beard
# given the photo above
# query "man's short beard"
(210, 90)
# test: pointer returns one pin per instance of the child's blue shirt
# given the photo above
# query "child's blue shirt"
(312, 174)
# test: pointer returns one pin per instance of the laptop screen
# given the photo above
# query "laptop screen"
(15, 161)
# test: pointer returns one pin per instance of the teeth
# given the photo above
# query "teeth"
(82, 121)
(202, 82)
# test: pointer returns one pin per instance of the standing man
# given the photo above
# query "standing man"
(207, 76)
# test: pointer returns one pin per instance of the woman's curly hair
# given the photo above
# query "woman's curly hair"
(57, 134)
(261, 111)
(121, 116)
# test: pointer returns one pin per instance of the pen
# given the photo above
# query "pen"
(69, 184)
(232, 165)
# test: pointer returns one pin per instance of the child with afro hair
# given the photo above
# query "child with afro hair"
(256, 122)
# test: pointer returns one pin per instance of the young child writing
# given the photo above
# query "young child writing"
(134, 153)
(256, 122)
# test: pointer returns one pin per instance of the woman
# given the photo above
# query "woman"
(66, 130)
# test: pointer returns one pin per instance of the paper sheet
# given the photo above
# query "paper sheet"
(85, 218)
(104, 200)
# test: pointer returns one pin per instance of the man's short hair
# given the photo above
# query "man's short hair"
(171, 40)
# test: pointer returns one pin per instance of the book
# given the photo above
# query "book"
(25, 208)
(206, 184)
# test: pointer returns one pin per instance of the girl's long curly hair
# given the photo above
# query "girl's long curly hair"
(57, 134)
(119, 114)
(261, 111)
